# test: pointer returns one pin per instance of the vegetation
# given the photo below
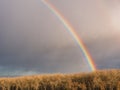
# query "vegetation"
(99, 80)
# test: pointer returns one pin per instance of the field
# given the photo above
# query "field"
(99, 80)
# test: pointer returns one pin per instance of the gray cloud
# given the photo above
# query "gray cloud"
(33, 40)
(105, 51)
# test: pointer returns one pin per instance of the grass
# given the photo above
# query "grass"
(99, 80)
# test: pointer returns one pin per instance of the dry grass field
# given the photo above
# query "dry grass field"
(99, 80)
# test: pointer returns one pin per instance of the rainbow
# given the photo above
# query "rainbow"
(71, 30)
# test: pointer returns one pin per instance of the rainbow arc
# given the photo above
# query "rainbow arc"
(73, 33)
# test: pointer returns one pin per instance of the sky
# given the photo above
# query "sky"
(34, 41)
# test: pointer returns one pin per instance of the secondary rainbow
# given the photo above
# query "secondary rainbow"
(71, 30)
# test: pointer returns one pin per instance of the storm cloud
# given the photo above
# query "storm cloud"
(33, 40)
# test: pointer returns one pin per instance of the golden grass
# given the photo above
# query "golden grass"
(99, 80)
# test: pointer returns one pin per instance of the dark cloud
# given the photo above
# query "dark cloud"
(105, 51)
(33, 40)
(55, 60)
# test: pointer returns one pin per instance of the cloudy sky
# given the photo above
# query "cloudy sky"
(33, 40)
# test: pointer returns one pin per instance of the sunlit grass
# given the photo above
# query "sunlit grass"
(99, 80)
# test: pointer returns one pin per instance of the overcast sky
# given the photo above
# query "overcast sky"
(33, 40)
